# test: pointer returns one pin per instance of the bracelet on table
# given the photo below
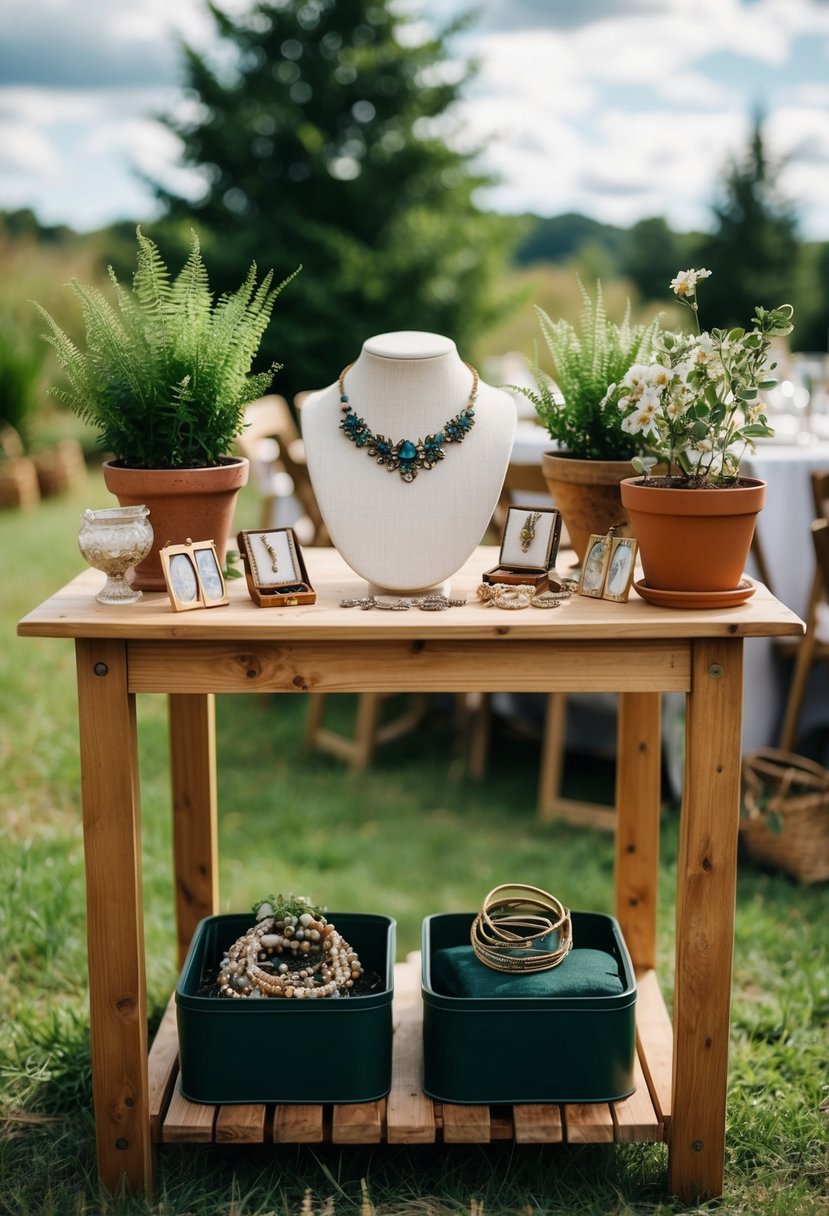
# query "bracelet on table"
(544, 934)
(434, 602)
(506, 595)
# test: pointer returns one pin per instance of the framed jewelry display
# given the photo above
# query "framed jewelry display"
(193, 575)
(275, 568)
(529, 547)
(620, 569)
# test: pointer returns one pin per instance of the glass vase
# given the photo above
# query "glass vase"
(113, 540)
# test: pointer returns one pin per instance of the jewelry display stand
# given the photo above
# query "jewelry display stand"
(529, 548)
(408, 536)
(275, 568)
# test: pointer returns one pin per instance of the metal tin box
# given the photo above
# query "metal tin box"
(529, 1049)
(277, 1050)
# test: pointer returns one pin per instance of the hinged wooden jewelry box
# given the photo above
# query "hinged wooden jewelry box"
(275, 568)
(529, 548)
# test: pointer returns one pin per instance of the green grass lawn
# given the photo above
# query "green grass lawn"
(413, 836)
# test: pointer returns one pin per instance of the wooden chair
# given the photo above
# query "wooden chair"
(370, 732)
(810, 648)
(273, 445)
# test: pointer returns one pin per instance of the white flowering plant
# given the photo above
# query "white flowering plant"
(697, 405)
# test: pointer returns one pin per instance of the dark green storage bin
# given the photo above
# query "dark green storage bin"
(272, 1050)
(529, 1049)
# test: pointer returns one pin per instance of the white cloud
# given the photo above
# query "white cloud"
(28, 152)
(631, 113)
(618, 108)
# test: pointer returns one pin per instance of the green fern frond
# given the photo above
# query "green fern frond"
(167, 374)
(586, 361)
(112, 351)
(71, 359)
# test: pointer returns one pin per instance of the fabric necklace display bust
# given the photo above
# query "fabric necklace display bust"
(401, 531)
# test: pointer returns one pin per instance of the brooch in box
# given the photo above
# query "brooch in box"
(529, 547)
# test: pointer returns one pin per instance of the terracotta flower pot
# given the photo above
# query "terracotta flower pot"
(194, 503)
(587, 494)
(693, 539)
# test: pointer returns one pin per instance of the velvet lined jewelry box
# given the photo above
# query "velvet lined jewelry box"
(529, 548)
(260, 550)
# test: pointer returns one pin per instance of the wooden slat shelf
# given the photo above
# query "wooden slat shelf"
(407, 1115)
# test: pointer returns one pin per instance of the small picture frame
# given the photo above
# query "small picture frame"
(193, 575)
(275, 568)
(595, 566)
(620, 569)
(530, 538)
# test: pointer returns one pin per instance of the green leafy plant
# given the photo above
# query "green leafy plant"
(585, 361)
(698, 406)
(167, 374)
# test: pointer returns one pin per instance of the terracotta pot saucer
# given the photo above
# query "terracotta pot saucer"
(695, 599)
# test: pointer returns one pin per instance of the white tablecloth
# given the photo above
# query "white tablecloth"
(783, 532)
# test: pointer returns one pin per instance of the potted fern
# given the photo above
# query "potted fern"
(165, 378)
(595, 452)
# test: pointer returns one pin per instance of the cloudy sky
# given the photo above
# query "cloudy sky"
(619, 109)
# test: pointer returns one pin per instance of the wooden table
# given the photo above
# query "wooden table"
(633, 649)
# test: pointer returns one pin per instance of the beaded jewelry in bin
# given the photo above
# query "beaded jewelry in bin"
(292, 952)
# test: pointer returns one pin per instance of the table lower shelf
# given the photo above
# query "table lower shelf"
(407, 1115)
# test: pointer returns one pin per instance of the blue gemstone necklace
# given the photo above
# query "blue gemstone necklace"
(407, 457)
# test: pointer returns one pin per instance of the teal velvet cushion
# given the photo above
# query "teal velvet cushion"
(457, 972)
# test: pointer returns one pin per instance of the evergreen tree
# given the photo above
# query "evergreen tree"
(321, 140)
(651, 256)
(753, 250)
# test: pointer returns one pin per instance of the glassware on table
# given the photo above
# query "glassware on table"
(113, 540)
(811, 369)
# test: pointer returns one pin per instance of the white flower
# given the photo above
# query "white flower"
(610, 391)
(634, 375)
(677, 405)
(685, 283)
(701, 392)
(641, 422)
(659, 376)
(651, 397)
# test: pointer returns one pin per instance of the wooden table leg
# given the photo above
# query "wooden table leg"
(638, 794)
(706, 885)
(193, 775)
(115, 915)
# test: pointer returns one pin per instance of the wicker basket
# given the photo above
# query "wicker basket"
(786, 813)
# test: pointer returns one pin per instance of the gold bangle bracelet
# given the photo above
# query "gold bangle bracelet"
(513, 930)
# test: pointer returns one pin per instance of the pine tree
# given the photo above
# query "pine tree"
(754, 248)
(324, 144)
